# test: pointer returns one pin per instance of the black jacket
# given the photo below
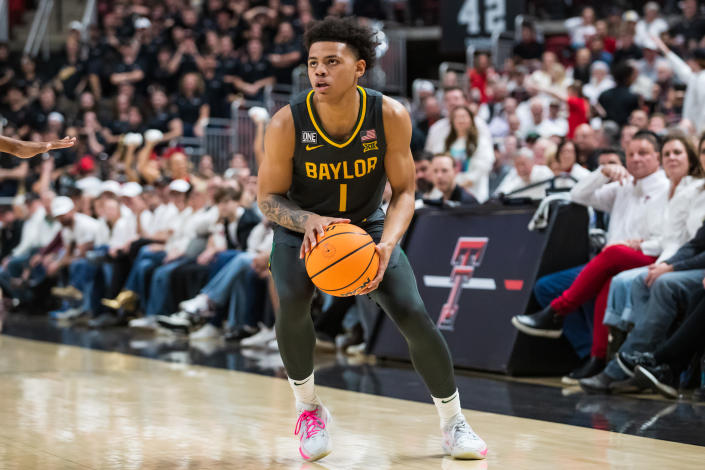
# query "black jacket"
(692, 254)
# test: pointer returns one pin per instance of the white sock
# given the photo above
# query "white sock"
(305, 393)
(448, 408)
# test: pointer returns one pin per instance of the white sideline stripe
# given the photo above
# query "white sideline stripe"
(474, 283)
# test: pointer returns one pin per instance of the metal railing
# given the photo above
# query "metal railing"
(38, 31)
(4, 21)
(90, 16)
(219, 140)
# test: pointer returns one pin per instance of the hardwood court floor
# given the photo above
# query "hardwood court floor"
(64, 407)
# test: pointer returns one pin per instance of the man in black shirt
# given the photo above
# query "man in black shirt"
(443, 173)
(619, 102)
(254, 73)
(691, 29)
(286, 53)
(528, 48)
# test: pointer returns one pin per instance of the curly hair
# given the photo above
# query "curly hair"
(360, 39)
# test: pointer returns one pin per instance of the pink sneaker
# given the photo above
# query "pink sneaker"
(311, 428)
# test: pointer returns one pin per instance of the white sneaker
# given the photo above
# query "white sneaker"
(207, 331)
(147, 323)
(70, 313)
(261, 338)
(195, 305)
(356, 349)
(175, 321)
(312, 430)
(461, 442)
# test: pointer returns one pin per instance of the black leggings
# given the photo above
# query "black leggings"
(688, 340)
(398, 296)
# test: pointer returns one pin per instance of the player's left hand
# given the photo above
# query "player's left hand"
(384, 250)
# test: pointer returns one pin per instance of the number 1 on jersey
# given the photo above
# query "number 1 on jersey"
(343, 197)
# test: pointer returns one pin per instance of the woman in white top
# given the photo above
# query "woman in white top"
(470, 144)
(566, 164)
(673, 221)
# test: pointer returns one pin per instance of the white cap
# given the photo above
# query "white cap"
(75, 25)
(180, 186)
(630, 15)
(142, 23)
(133, 138)
(61, 205)
(90, 186)
(110, 187)
(131, 189)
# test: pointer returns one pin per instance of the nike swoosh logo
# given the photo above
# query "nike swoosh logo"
(450, 399)
(308, 147)
(297, 384)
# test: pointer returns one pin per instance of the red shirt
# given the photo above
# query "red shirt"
(577, 114)
(479, 81)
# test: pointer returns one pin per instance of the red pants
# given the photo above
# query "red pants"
(594, 282)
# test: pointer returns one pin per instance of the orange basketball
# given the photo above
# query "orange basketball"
(343, 260)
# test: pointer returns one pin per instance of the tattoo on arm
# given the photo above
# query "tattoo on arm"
(282, 211)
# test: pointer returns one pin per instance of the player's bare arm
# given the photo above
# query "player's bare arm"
(25, 149)
(274, 181)
(399, 166)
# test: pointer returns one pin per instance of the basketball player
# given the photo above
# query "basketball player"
(25, 149)
(327, 157)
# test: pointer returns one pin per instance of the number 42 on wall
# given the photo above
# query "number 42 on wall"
(495, 16)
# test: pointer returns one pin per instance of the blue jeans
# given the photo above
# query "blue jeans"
(577, 327)
(15, 266)
(219, 288)
(655, 309)
(233, 285)
(160, 287)
(142, 268)
(619, 312)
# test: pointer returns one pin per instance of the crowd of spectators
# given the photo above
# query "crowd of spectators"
(127, 227)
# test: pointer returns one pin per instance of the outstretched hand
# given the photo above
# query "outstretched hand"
(30, 149)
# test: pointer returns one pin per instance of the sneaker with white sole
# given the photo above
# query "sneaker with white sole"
(176, 321)
(260, 339)
(312, 430)
(195, 305)
(207, 331)
(147, 323)
(70, 313)
(461, 442)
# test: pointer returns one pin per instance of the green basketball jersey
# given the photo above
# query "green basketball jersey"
(339, 179)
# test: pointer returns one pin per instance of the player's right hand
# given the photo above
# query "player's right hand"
(314, 229)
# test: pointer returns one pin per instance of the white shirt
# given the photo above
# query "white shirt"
(513, 181)
(694, 100)
(644, 30)
(124, 230)
(668, 218)
(549, 127)
(260, 239)
(191, 225)
(37, 231)
(85, 230)
(476, 179)
(162, 218)
(696, 216)
(579, 32)
(592, 90)
(627, 203)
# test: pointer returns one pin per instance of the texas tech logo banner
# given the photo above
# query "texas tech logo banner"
(466, 257)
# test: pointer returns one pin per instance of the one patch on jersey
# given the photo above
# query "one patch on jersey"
(367, 135)
(308, 137)
(367, 146)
